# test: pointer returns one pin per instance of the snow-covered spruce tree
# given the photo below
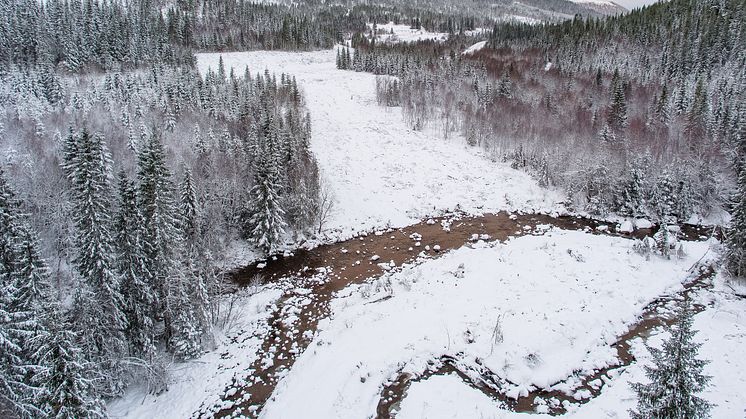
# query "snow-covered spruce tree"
(184, 331)
(664, 241)
(163, 245)
(32, 273)
(266, 225)
(736, 241)
(68, 391)
(196, 258)
(188, 207)
(87, 165)
(159, 233)
(697, 115)
(661, 110)
(617, 117)
(675, 377)
(18, 321)
(633, 194)
(137, 293)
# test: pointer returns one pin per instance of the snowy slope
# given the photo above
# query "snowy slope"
(380, 171)
(474, 48)
(393, 33)
(562, 299)
(605, 7)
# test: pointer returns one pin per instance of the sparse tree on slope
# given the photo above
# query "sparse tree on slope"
(675, 378)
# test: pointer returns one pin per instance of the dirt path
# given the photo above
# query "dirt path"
(317, 274)
(659, 313)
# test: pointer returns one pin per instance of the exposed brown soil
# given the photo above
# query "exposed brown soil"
(350, 262)
(658, 313)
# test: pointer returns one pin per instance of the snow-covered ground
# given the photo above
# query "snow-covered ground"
(381, 172)
(203, 380)
(561, 300)
(393, 33)
(474, 48)
(722, 332)
(523, 19)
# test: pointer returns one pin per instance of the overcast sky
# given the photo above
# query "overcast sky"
(631, 4)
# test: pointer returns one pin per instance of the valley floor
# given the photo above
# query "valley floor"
(381, 172)
(537, 310)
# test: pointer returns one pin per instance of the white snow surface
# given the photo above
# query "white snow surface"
(562, 298)
(381, 172)
(524, 19)
(474, 48)
(721, 330)
(393, 33)
(445, 397)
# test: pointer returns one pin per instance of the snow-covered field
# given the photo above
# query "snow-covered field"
(393, 33)
(561, 298)
(381, 172)
(722, 332)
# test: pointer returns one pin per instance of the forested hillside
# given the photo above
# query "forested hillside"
(624, 130)
(126, 175)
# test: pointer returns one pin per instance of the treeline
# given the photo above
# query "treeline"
(614, 140)
(81, 35)
(486, 10)
(137, 182)
(694, 51)
(218, 25)
(679, 45)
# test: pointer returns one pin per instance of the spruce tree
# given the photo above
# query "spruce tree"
(18, 321)
(137, 293)
(633, 194)
(662, 112)
(617, 117)
(696, 116)
(159, 232)
(163, 244)
(24, 289)
(736, 239)
(88, 170)
(68, 390)
(675, 377)
(267, 224)
(188, 207)
(196, 260)
(32, 274)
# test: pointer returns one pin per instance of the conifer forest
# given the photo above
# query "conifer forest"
(352, 209)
